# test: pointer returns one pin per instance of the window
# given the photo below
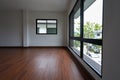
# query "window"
(75, 29)
(77, 24)
(46, 26)
(75, 45)
(86, 32)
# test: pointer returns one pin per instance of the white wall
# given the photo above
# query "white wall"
(10, 28)
(47, 40)
(18, 28)
(111, 42)
(25, 28)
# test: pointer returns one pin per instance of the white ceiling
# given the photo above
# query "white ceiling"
(41, 5)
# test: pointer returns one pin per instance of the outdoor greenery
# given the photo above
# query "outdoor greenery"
(76, 43)
(89, 32)
(77, 29)
(90, 29)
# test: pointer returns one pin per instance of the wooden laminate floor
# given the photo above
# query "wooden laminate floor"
(37, 64)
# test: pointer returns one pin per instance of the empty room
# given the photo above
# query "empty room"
(59, 40)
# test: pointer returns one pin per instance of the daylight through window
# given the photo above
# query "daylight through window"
(46, 26)
(86, 32)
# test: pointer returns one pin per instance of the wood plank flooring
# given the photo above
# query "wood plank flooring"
(37, 64)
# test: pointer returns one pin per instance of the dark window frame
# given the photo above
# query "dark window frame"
(46, 27)
(81, 38)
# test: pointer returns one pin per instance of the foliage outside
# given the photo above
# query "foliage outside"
(90, 30)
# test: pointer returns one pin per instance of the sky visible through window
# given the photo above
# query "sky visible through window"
(93, 11)
(93, 14)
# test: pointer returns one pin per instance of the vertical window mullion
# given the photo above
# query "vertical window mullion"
(46, 27)
(81, 25)
(72, 26)
(56, 27)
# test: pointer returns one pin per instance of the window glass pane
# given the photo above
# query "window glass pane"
(41, 21)
(52, 21)
(51, 25)
(93, 19)
(77, 24)
(92, 55)
(51, 30)
(41, 28)
(75, 45)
